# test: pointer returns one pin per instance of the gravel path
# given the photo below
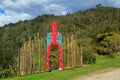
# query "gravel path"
(109, 74)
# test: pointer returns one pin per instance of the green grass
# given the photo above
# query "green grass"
(102, 63)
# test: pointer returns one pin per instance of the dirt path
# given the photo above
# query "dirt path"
(109, 74)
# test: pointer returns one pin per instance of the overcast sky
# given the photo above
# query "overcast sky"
(12, 11)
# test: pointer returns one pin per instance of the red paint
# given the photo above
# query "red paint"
(54, 34)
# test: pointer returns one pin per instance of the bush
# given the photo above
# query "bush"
(54, 58)
(109, 45)
(4, 73)
(89, 58)
(88, 50)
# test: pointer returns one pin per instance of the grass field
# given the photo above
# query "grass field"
(102, 63)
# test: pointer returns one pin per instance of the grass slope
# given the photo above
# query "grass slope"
(102, 62)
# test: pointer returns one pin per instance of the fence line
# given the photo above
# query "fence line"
(31, 58)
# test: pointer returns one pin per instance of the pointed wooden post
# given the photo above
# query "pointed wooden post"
(81, 56)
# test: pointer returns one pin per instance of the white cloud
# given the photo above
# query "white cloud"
(20, 4)
(55, 9)
(27, 9)
(13, 17)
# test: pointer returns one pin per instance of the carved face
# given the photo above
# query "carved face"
(54, 26)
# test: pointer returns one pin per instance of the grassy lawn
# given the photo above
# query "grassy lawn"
(102, 62)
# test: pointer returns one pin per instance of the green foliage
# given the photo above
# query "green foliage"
(100, 36)
(89, 58)
(88, 51)
(98, 5)
(4, 73)
(109, 44)
(7, 72)
(54, 58)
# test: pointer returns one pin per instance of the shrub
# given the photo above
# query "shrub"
(89, 58)
(4, 73)
(88, 51)
(109, 45)
(54, 58)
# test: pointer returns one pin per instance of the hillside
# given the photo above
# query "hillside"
(96, 29)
